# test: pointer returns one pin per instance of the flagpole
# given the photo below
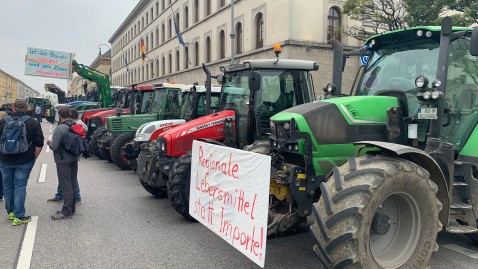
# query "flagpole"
(233, 35)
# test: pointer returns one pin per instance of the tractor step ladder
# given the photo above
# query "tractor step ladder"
(462, 210)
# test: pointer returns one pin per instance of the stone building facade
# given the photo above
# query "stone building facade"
(303, 28)
(11, 89)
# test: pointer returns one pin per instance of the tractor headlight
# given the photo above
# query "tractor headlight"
(421, 82)
(272, 126)
(426, 95)
(296, 147)
(436, 84)
(435, 95)
(330, 88)
(428, 34)
(419, 32)
(287, 126)
(139, 137)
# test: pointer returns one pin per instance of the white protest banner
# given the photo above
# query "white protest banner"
(48, 63)
(229, 194)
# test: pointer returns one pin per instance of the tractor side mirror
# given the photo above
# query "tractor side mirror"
(474, 42)
(255, 81)
(220, 78)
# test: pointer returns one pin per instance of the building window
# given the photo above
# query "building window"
(147, 71)
(163, 33)
(157, 9)
(208, 49)
(157, 36)
(170, 63)
(147, 18)
(222, 45)
(196, 53)
(238, 38)
(259, 29)
(208, 7)
(162, 4)
(152, 44)
(142, 73)
(334, 24)
(157, 67)
(169, 29)
(196, 11)
(177, 60)
(186, 17)
(135, 29)
(135, 50)
(151, 64)
(186, 57)
(163, 66)
(177, 21)
(151, 12)
(222, 3)
(142, 23)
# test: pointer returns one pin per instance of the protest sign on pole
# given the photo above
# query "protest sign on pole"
(229, 194)
(48, 63)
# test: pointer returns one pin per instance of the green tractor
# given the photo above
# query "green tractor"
(164, 102)
(383, 171)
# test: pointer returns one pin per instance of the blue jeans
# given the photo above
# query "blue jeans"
(59, 194)
(15, 179)
(1, 186)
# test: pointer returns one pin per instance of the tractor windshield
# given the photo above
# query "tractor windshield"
(396, 67)
(156, 102)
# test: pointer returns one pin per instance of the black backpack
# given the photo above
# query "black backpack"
(14, 136)
(74, 144)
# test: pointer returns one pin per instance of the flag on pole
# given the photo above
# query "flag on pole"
(142, 49)
(176, 28)
(125, 62)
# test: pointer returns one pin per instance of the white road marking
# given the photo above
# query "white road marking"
(47, 147)
(462, 250)
(26, 251)
(42, 173)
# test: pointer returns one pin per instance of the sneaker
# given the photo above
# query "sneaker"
(20, 221)
(10, 216)
(54, 199)
(78, 201)
(59, 216)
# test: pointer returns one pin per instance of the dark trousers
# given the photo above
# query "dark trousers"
(1, 186)
(39, 117)
(68, 180)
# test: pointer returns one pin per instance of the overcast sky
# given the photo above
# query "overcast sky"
(63, 25)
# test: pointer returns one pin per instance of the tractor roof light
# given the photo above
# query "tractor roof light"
(420, 33)
(372, 42)
(287, 126)
(277, 49)
(421, 82)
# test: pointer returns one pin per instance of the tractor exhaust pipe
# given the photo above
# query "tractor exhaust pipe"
(208, 89)
(338, 65)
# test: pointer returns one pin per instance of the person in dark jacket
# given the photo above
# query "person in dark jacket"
(16, 168)
(66, 166)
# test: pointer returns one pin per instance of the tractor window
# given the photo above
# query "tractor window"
(173, 103)
(461, 94)
(236, 92)
(143, 102)
(187, 106)
(157, 101)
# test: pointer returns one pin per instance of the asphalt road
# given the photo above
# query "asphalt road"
(120, 225)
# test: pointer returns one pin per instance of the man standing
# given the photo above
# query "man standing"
(66, 166)
(16, 168)
(38, 113)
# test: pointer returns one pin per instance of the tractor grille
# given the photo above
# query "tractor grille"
(116, 125)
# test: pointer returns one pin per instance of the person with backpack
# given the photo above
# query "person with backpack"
(59, 195)
(21, 143)
(66, 153)
(2, 114)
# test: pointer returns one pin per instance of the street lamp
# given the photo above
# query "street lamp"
(99, 48)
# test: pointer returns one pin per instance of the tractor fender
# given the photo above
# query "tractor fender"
(423, 159)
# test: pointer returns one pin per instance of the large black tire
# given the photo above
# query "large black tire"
(95, 149)
(105, 153)
(158, 192)
(372, 195)
(178, 185)
(117, 150)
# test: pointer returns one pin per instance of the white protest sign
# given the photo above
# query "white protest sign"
(229, 194)
(48, 63)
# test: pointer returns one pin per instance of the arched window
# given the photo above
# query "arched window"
(145, 44)
(151, 39)
(142, 23)
(135, 29)
(157, 9)
(208, 8)
(259, 30)
(163, 66)
(151, 66)
(147, 72)
(169, 29)
(186, 17)
(142, 73)
(222, 45)
(177, 21)
(186, 57)
(238, 31)
(157, 68)
(162, 4)
(196, 11)
(222, 3)
(170, 63)
(157, 36)
(163, 33)
(135, 51)
(208, 49)
(196, 53)
(334, 24)
(177, 60)
(147, 18)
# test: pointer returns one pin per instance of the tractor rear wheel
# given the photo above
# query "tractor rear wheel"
(117, 150)
(377, 212)
(94, 141)
(105, 153)
(178, 185)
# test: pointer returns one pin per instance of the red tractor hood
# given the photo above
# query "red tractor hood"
(179, 139)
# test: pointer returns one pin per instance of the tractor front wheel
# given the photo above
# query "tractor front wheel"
(94, 141)
(377, 212)
(178, 185)
(117, 150)
(105, 153)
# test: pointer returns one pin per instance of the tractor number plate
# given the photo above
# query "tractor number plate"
(427, 113)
